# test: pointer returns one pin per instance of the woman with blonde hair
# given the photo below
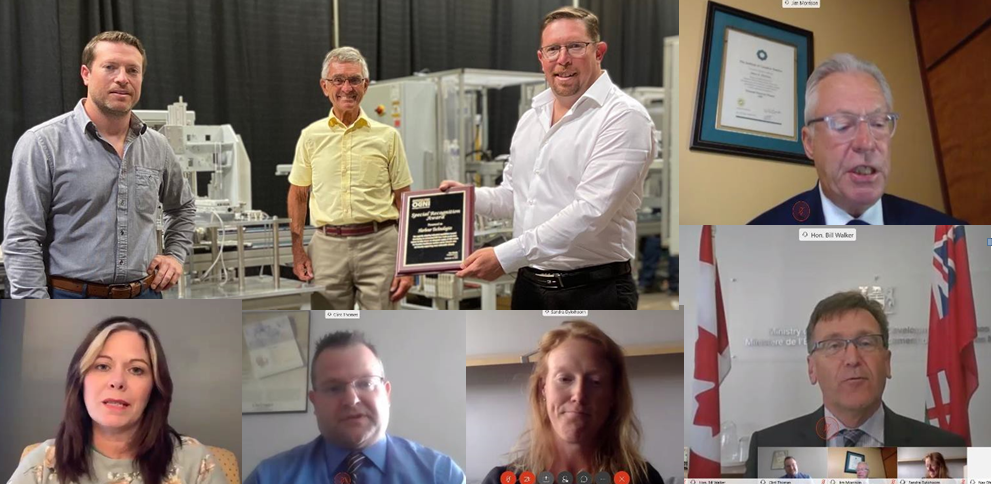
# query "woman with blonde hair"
(115, 427)
(935, 466)
(581, 410)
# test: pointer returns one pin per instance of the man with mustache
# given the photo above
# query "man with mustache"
(573, 183)
(350, 399)
(85, 187)
(352, 170)
(848, 342)
(848, 133)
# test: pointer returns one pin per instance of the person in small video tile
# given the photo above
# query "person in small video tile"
(115, 424)
(849, 359)
(863, 470)
(351, 400)
(581, 411)
(792, 469)
(935, 466)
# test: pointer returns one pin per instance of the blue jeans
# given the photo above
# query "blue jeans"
(148, 293)
(650, 257)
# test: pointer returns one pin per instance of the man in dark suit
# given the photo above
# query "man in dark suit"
(849, 127)
(849, 359)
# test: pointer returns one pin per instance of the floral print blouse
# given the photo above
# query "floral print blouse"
(191, 464)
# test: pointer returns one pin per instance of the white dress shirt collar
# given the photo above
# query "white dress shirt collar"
(874, 427)
(834, 215)
(597, 92)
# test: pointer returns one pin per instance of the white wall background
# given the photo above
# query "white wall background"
(911, 463)
(424, 356)
(38, 338)
(496, 401)
(771, 280)
(979, 462)
(812, 461)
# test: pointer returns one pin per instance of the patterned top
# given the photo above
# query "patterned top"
(191, 464)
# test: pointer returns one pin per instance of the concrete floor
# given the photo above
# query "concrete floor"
(658, 300)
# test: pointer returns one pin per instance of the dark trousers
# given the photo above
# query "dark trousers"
(616, 293)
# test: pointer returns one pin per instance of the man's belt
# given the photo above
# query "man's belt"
(574, 278)
(107, 291)
(355, 229)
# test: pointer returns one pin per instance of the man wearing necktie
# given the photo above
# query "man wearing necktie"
(351, 401)
(849, 129)
(847, 340)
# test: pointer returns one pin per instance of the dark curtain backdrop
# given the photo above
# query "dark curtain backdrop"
(255, 64)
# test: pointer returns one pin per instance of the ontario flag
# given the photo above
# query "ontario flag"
(952, 370)
(712, 353)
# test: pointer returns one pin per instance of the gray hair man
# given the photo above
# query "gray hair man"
(863, 470)
(352, 171)
(848, 132)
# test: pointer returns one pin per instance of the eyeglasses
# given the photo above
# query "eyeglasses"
(844, 126)
(868, 343)
(366, 385)
(575, 49)
(355, 81)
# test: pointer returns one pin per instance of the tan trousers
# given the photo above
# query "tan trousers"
(350, 269)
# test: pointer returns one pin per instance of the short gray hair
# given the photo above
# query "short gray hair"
(842, 63)
(347, 55)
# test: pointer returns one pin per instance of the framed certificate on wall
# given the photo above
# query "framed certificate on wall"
(275, 356)
(752, 85)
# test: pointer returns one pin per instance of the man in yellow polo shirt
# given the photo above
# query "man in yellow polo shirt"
(353, 170)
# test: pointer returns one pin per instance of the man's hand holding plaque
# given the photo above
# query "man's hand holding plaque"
(435, 230)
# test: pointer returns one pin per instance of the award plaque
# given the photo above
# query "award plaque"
(435, 230)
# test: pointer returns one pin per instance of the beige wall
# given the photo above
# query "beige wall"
(722, 189)
(837, 455)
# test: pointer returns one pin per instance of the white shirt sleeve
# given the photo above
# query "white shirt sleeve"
(497, 202)
(618, 163)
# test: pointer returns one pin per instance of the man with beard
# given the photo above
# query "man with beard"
(573, 183)
(85, 188)
(350, 399)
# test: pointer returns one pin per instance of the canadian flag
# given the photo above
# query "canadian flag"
(711, 366)
(952, 370)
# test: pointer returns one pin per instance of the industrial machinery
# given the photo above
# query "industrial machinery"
(215, 153)
(231, 240)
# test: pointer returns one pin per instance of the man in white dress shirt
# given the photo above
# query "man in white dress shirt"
(573, 183)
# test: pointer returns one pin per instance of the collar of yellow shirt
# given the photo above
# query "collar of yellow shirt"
(362, 120)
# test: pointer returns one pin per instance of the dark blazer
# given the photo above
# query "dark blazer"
(895, 210)
(801, 432)
(653, 476)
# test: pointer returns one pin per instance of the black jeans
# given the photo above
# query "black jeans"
(616, 293)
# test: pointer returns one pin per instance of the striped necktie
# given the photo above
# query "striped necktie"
(852, 436)
(353, 463)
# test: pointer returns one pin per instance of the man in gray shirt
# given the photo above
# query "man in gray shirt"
(85, 187)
